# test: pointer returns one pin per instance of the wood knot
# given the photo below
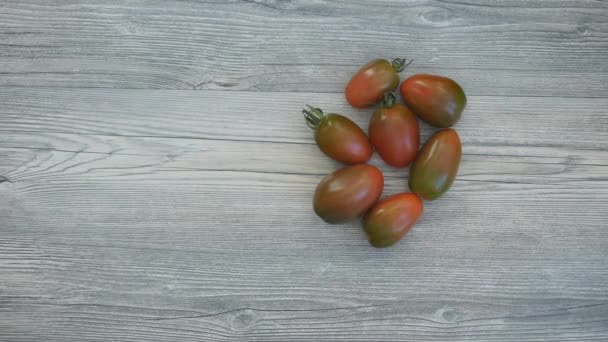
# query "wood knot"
(128, 28)
(582, 28)
(450, 315)
(243, 319)
(438, 16)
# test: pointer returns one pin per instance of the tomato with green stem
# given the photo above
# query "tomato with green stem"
(394, 132)
(348, 193)
(436, 165)
(391, 218)
(338, 137)
(373, 80)
(437, 100)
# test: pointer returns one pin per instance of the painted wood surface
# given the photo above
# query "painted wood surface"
(156, 175)
(506, 47)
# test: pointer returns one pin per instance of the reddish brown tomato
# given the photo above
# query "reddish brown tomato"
(437, 100)
(395, 134)
(348, 193)
(339, 137)
(436, 165)
(373, 80)
(391, 218)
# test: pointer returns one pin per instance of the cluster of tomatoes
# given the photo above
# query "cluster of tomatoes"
(353, 192)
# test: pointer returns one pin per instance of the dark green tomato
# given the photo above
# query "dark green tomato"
(348, 193)
(436, 165)
(391, 218)
(339, 137)
(437, 100)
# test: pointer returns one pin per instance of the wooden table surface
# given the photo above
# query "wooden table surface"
(156, 174)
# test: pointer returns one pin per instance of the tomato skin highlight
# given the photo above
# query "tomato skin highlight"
(436, 165)
(395, 133)
(370, 83)
(339, 137)
(437, 100)
(390, 219)
(348, 193)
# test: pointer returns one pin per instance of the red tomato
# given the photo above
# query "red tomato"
(394, 132)
(348, 193)
(373, 80)
(339, 137)
(391, 218)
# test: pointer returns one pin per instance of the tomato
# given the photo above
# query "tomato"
(339, 137)
(373, 80)
(436, 165)
(437, 100)
(348, 193)
(391, 218)
(394, 132)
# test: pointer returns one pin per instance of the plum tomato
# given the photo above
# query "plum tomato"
(394, 132)
(436, 165)
(391, 218)
(437, 100)
(338, 137)
(348, 193)
(373, 80)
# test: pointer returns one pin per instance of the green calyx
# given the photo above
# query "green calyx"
(313, 116)
(388, 100)
(399, 64)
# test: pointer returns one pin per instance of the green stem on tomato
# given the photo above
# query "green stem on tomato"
(388, 100)
(399, 64)
(313, 116)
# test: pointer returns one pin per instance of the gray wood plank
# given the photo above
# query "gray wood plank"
(276, 117)
(94, 255)
(507, 47)
(185, 216)
(29, 157)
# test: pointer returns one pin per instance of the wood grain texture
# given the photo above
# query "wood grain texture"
(156, 176)
(507, 47)
(185, 215)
